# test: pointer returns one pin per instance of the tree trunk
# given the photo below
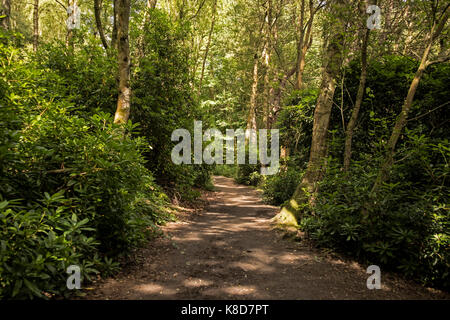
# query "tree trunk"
(359, 98)
(278, 92)
(304, 42)
(114, 29)
(98, 21)
(35, 25)
(123, 102)
(6, 11)
(69, 36)
(266, 61)
(403, 116)
(251, 119)
(208, 43)
(308, 187)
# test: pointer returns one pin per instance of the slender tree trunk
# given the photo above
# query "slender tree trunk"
(277, 95)
(308, 187)
(208, 43)
(98, 21)
(403, 116)
(6, 11)
(304, 42)
(302, 47)
(123, 102)
(266, 61)
(359, 98)
(114, 29)
(35, 25)
(251, 119)
(69, 36)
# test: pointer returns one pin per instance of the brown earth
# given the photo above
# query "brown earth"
(231, 251)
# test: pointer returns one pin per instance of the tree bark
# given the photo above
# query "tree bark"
(277, 95)
(114, 29)
(123, 48)
(306, 190)
(6, 11)
(304, 42)
(359, 98)
(251, 119)
(435, 31)
(208, 43)
(266, 97)
(69, 36)
(266, 62)
(35, 25)
(98, 21)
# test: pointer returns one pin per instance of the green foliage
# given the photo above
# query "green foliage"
(86, 78)
(248, 174)
(280, 187)
(39, 241)
(163, 101)
(295, 123)
(404, 226)
(73, 189)
(226, 170)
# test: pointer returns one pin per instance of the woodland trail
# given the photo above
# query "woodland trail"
(230, 251)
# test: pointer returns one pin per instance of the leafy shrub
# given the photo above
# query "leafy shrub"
(248, 174)
(39, 242)
(163, 101)
(73, 188)
(280, 187)
(226, 170)
(403, 226)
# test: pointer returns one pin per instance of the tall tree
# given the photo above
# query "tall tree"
(114, 28)
(35, 25)
(308, 187)
(98, 21)
(208, 43)
(305, 40)
(361, 87)
(438, 23)
(251, 118)
(123, 48)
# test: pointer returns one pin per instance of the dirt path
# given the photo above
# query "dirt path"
(231, 252)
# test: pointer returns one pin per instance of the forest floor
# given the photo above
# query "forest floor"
(230, 250)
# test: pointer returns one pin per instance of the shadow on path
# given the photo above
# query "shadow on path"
(231, 252)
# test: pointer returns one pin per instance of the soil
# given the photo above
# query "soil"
(232, 251)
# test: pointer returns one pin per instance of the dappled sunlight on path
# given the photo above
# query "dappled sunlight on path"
(231, 252)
